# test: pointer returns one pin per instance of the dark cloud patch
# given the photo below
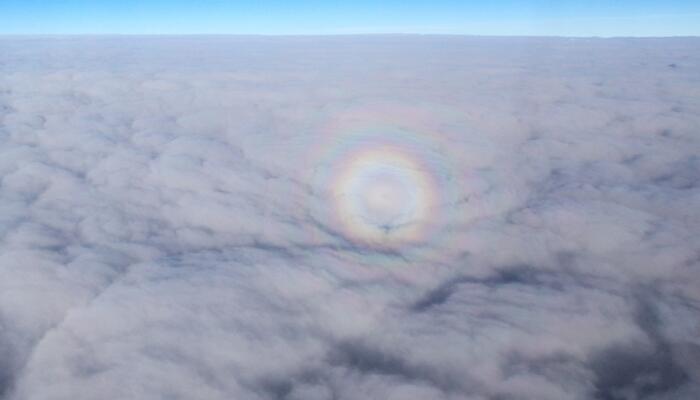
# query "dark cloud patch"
(636, 372)
(7, 368)
(515, 275)
(640, 370)
(358, 356)
(370, 360)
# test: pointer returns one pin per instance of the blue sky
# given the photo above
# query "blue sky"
(498, 17)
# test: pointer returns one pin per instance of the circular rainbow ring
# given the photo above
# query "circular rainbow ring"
(383, 186)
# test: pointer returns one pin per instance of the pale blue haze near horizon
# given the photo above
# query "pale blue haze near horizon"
(275, 17)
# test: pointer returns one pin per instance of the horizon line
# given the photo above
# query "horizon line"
(290, 35)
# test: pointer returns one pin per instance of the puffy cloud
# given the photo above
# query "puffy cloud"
(213, 218)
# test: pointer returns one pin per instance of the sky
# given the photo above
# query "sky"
(278, 17)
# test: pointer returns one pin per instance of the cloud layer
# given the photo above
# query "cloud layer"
(213, 218)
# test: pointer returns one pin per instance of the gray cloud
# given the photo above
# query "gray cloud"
(179, 218)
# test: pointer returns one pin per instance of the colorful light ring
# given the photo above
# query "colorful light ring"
(385, 186)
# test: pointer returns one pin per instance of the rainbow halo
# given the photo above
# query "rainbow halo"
(381, 196)
(382, 186)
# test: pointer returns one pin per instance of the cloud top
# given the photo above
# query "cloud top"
(391, 217)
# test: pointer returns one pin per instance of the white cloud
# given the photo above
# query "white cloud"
(168, 230)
